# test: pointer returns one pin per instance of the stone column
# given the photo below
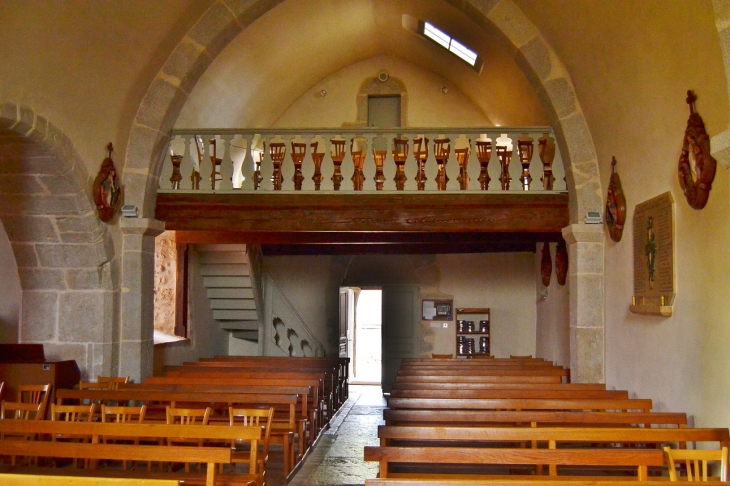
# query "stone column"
(138, 312)
(587, 304)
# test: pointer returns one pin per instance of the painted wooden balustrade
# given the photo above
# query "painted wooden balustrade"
(405, 159)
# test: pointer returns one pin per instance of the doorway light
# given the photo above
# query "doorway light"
(455, 47)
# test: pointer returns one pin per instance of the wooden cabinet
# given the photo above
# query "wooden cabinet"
(473, 332)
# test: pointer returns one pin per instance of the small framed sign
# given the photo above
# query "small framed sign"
(437, 309)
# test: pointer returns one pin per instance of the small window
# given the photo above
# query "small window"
(455, 47)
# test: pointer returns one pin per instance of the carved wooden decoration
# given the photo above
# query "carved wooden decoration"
(484, 153)
(298, 152)
(441, 149)
(420, 152)
(338, 155)
(615, 205)
(525, 150)
(400, 155)
(462, 157)
(696, 164)
(106, 188)
(358, 160)
(505, 157)
(561, 261)
(277, 151)
(546, 264)
(317, 158)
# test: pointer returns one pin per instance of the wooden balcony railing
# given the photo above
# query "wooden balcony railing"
(493, 159)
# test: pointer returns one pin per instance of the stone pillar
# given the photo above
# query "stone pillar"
(138, 313)
(587, 304)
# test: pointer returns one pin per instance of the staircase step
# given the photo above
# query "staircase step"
(240, 325)
(235, 315)
(223, 257)
(247, 335)
(220, 247)
(232, 304)
(230, 293)
(226, 282)
(224, 269)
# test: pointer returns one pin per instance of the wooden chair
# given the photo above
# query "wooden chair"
(123, 415)
(72, 413)
(187, 416)
(113, 381)
(694, 459)
(442, 356)
(35, 394)
(252, 416)
(19, 411)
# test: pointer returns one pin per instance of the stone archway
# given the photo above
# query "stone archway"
(226, 19)
(63, 252)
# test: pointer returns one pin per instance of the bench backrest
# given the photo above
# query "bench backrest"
(508, 393)
(521, 404)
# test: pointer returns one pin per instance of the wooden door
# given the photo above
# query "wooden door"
(400, 328)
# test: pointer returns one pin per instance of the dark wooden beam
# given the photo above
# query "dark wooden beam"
(279, 214)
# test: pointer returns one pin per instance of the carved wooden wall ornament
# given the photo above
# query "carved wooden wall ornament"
(546, 264)
(615, 205)
(106, 189)
(696, 164)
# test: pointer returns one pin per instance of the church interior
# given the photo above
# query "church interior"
(132, 292)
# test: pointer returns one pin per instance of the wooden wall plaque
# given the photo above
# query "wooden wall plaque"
(654, 272)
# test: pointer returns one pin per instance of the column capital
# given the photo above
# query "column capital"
(584, 233)
(141, 226)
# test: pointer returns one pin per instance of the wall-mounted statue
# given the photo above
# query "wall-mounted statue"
(106, 189)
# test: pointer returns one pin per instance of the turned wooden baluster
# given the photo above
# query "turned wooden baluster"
(484, 154)
(525, 150)
(298, 152)
(317, 158)
(379, 156)
(420, 152)
(462, 157)
(358, 159)
(338, 155)
(400, 154)
(546, 149)
(277, 151)
(215, 173)
(441, 150)
(257, 177)
(505, 157)
(176, 176)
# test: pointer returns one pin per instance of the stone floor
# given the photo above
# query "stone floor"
(338, 457)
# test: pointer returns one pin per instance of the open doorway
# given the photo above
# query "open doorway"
(362, 314)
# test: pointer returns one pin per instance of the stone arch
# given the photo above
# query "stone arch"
(63, 252)
(225, 19)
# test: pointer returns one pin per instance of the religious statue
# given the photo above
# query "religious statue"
(106, 188)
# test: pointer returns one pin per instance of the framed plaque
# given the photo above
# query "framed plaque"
(654, 272)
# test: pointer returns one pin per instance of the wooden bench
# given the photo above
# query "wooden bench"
(597, 404)
(443, 462)
(498, 386)
(534, 481)
(96, 449)
(532, 418)
(477, 379)
(36, 479)
(289, 422)
(507, 393)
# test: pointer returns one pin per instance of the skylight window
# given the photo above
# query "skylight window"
(452, 45)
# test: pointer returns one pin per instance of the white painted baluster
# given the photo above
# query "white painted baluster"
(287, 166)
(411, 167)
(452, 166)
(389, 164)
(226, 168)
(308, 164)
(474, 168)
(368, 169)
(328, 168)
(535, 163)
(267, 167)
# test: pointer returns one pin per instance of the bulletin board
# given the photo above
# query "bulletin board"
(437, 309)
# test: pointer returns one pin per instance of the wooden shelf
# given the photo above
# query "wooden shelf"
(653, 310)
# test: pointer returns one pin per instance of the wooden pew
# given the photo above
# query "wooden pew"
(442, 459)
(534, 481)
(315, 384)
(498, 386)
(598, 404)
(270, 378)
(477, 379)
(500, 371)
(531, 418)
(328, 375)
(308, 404)
(97, 450)
(288, 424)
(507, 393)
(36, 479)
(342, 364)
